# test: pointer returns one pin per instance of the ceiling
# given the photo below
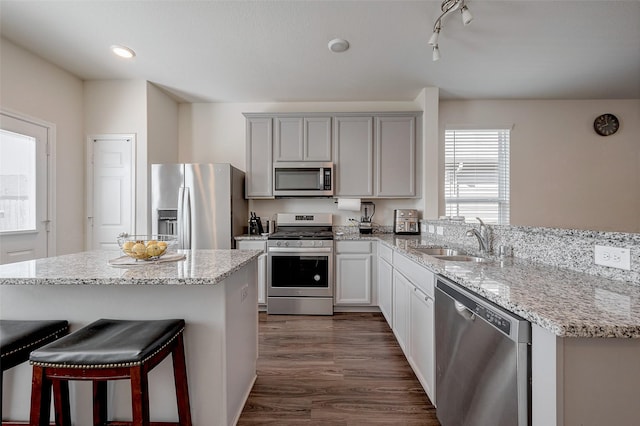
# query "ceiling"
(262, 51)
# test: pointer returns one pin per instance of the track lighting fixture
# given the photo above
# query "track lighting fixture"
(447, 7)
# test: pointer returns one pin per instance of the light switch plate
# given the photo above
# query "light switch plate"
(614, 257)
(440, 230)
(432, 229)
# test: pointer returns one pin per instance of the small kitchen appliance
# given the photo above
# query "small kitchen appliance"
(367, 210)
(308, 179)
(300, 265)
(405, 221)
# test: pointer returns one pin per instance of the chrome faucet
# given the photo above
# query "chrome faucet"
(482, 236)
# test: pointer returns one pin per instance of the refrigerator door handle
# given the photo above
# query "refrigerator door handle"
(186, 211)
(181, 217)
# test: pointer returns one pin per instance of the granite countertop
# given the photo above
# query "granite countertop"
(200, 267)
(564, 302)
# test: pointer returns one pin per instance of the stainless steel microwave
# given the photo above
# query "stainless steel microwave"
(307, 179)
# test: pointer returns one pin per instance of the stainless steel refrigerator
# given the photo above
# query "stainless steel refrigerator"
(202, 204)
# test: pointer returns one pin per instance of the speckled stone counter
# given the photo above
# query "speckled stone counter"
(562, 301)
(201, 267)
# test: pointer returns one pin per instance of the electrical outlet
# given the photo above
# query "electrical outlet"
(440, 230)
(432, 229)
(244, 293)
(614, 257)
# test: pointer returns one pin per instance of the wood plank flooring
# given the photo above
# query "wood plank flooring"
(340, 370)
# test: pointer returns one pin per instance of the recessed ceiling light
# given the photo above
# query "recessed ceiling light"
(123, 51)
(338, 45)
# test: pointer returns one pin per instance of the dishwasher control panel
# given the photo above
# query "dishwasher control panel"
(494, 318)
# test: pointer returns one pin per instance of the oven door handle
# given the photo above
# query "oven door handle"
(295, 250)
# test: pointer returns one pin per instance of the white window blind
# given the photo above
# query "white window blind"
(477, 174)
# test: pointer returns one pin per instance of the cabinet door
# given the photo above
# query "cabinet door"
(422, 340)
(401, 305)
(317, 139)
(288, 139)
(259, 177)
(353, 156)
(385, 289)
(395, 153)
(353, 279)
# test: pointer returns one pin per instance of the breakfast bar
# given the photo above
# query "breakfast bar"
(214, 291)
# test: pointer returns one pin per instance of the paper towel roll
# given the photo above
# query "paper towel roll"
(351, 204)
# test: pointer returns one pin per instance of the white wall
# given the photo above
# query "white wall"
(216, 133)
(120, 106)
(564, 175)
(162, 126)
(36, 88)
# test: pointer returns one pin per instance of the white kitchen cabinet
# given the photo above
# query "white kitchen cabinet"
(422, 340)
(262, 265)
(402, 289)
(415, 284)
(375, 161)
(354, 278)
(353, 156)
(385, 282)
(302, 139)
(395, 156)
(259, 176)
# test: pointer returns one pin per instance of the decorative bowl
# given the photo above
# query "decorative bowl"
(146, 247)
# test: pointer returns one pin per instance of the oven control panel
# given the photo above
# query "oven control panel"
(300, 243)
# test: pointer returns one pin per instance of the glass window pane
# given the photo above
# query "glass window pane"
(17, 182)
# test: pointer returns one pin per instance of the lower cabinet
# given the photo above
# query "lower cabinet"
(354, 273)
(385, 289)
(422, 337)
(401, 315)
(414, 318)
(262, 265)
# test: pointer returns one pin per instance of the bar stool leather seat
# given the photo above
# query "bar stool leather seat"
(110, 349)
(19, 337)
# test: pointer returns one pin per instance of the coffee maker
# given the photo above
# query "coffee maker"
(367, 210)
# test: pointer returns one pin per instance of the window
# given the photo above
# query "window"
(17, 182)
(476, 182)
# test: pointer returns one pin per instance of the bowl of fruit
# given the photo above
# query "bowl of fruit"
(146, 247)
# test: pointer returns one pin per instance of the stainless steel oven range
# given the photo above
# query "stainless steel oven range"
(300, 265)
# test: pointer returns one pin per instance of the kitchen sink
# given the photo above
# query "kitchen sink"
(462, 258)
(438, 251)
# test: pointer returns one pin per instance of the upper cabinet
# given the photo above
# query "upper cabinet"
(353, 156)
(302, 139)
(395, 156)
(374, 154)
(259, 176)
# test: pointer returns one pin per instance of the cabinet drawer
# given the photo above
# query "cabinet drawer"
(385, 252)
(251, 245)
(353, 247)
(419, 276)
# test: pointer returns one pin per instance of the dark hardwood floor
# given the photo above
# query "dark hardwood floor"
(345, 369)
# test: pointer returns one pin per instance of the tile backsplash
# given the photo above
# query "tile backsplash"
(565, 248)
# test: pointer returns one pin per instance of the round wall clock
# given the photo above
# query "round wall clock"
(606, 124)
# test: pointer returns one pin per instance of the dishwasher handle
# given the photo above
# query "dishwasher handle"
(464, 312)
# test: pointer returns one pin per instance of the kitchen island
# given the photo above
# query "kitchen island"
(215, 292)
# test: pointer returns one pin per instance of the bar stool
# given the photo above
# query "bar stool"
(19, 338)
(110, 349)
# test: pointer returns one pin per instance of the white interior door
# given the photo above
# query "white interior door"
(111, 193)
(24, 210)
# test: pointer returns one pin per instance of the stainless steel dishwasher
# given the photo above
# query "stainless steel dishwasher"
(483, 368)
